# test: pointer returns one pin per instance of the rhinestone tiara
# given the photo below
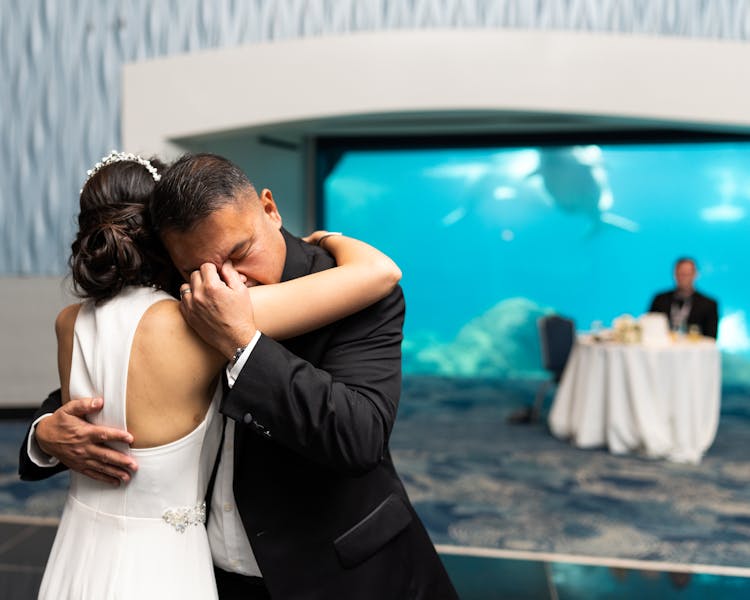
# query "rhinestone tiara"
(114, 157)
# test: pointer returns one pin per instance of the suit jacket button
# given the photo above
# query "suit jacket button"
(247, 418)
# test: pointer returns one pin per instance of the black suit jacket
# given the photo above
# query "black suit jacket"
(704, 311)
(324, 509)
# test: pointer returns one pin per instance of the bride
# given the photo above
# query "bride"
(128, 343)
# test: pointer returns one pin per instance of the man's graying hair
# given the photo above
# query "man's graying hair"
(194, 187)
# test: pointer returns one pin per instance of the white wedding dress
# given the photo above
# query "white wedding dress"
(145, 539)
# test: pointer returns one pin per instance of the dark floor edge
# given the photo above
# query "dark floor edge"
(17, 413)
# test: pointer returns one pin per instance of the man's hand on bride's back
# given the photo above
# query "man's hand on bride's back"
(81, 446)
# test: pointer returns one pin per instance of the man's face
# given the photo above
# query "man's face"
(246, 232)
(684, 276)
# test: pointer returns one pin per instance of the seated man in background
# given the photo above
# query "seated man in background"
(684, 306)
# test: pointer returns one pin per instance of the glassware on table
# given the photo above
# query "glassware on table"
(694, 333)
(596, 330)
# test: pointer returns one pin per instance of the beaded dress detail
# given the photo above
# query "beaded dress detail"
(145, 539)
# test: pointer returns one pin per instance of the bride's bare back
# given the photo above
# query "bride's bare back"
(172, 374)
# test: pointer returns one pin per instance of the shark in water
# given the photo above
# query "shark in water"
(576, 182)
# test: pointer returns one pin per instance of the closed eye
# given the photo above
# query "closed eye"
(240, 253)
(239, 257)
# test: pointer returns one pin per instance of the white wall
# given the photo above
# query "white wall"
(298, 83)
(28, 348)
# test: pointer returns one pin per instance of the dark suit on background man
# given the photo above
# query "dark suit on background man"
(704, 311)
(323, 507)
(683, 305)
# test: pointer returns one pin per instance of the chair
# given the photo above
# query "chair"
(556, 337)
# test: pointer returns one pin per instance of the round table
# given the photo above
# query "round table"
(662, 401)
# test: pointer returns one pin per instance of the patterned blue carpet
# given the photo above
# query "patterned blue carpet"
(478, 481)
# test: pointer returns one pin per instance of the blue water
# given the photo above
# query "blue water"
(591, 232)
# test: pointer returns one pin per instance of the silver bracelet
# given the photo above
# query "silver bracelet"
(327, 235)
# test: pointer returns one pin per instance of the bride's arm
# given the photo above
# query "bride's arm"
(363, 276)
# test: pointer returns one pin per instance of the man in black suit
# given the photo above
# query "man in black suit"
(684, 306)
(320, 511)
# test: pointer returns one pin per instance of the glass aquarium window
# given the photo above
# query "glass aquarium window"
(490, 238)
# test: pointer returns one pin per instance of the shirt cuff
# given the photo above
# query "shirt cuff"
(233, 371)
(36, 454)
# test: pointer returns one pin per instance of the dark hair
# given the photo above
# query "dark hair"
(684, 259)
(194, 187)
(115, 245)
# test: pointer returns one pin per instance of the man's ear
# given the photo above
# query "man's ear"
(269, 207)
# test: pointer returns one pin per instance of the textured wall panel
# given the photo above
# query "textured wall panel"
(60, 67)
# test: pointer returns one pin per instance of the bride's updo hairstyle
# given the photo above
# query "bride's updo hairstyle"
(114, 246)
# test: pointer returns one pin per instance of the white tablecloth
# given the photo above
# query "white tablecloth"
(661, 401)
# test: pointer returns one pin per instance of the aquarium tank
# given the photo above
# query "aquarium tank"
(492, 236)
